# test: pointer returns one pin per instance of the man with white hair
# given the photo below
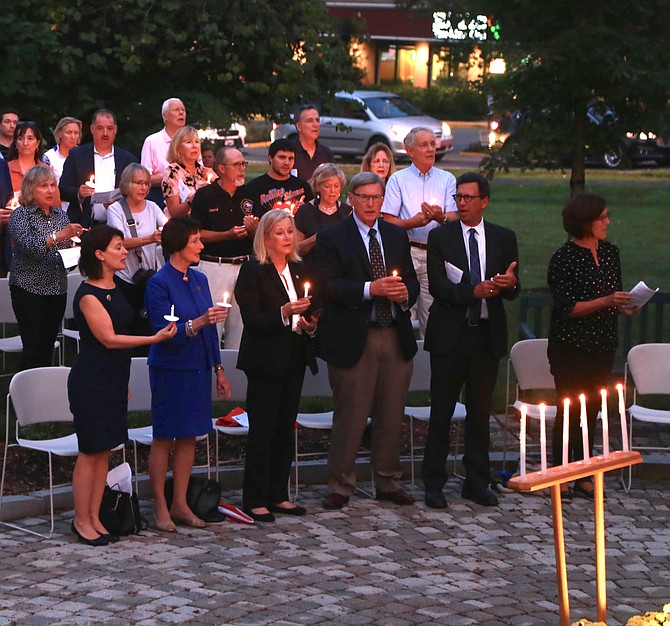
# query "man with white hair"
(419, 198)
(155, 148)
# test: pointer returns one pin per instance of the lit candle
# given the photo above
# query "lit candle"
(91, 182)
(226, 295)
(543, 437)
(210, 177)
(622, 415)
(606, 426)
(172, 310)
(585, 427)
(306, 290)
(13, 203)
(394, 273)
(522, 441)
(566, 430)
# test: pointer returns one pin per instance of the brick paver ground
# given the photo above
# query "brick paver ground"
(369, 564)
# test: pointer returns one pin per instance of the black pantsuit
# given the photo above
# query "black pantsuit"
(274, 359)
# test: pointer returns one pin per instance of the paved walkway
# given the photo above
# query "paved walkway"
(369, 564)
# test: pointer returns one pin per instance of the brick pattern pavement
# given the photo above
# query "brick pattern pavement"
(369, 564)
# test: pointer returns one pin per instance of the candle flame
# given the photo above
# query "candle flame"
(394, 272)
(13, 203)
(210, 177)
(92, 179)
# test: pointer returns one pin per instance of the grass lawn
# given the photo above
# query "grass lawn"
(531, 203)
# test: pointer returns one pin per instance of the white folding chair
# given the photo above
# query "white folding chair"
(238, 390)
(74, 279)
(529, 363)
(420, 381)
(39, 396)
(139, 399)
(649, 366)
(13, 343)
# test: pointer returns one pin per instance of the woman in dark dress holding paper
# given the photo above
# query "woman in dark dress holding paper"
(98, 382)
(585, 280)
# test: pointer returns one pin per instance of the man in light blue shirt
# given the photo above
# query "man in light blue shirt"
(419, 198)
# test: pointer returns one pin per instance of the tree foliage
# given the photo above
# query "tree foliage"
(224, 58)
(563, 55)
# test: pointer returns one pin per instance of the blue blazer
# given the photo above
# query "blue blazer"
(343, 268)
(190, 299)
(77, 169)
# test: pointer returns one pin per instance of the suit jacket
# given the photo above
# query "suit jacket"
(451, 300)
(77, 169)
(265, 346)
(344, 267)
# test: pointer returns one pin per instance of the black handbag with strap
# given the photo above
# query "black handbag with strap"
(120, 513)
(142, 275)
(202, 496)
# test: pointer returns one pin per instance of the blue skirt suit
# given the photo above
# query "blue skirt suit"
(180, 369)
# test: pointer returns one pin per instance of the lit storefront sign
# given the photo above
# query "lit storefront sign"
(460, 26)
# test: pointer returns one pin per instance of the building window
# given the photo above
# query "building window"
(396, 64)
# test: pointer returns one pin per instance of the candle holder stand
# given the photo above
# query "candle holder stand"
(553, 478)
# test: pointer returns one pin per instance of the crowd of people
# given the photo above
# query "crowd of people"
(283, 269)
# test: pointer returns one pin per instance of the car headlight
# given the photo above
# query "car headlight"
(446, 129)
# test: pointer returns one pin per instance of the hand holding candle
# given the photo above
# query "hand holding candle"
(90, 182)
(606, 428)
(225, 302)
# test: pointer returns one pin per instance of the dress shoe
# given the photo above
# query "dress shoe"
(98, 541)
(483, 495)
(398, 496)
(566, 495)
(294, 510)
(335, 501)
(260, 517)
(579, 490)
(435, 500)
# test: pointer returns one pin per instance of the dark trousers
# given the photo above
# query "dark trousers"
(575, 372)
(472, 364)
(272, 406)
(39, 319)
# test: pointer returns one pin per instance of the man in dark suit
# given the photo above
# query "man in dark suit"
(365, 336)
(466, 334)
(101, 159)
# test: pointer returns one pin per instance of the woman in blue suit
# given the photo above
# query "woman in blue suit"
(274, 351)
(180, 370)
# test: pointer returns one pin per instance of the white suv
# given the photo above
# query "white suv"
(362, 118)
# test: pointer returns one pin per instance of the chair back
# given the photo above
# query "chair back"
(531, 365)
(649, 364)
(40, 395)
(317, 386)
(236, 378)
(74, 279)
(6, 311)
(139, 389)
(420, 380)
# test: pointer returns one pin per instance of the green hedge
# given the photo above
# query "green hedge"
(445, 102)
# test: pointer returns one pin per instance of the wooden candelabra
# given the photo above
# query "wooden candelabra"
(553, 478)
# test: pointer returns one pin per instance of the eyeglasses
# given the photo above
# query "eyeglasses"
(366, 198)
(238, 166)
(458, 197)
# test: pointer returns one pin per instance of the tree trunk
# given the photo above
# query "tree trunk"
(578, 174)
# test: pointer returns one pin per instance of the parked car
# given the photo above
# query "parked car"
(632, 147)
(362, 118)
(235, 135)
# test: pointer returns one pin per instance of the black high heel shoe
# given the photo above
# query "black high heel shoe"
(98, 541)
(579, 490)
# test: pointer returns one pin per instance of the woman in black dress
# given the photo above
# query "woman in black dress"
(585, 280)
(326, 209)
(98, 382)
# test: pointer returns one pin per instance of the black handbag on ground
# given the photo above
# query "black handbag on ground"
(120, 513)
(202, 496)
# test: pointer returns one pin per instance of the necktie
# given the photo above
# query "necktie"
(382, 305)
(474, 310)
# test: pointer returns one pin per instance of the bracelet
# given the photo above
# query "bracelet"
(218, 368)
(53, 237)
(188, 328)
